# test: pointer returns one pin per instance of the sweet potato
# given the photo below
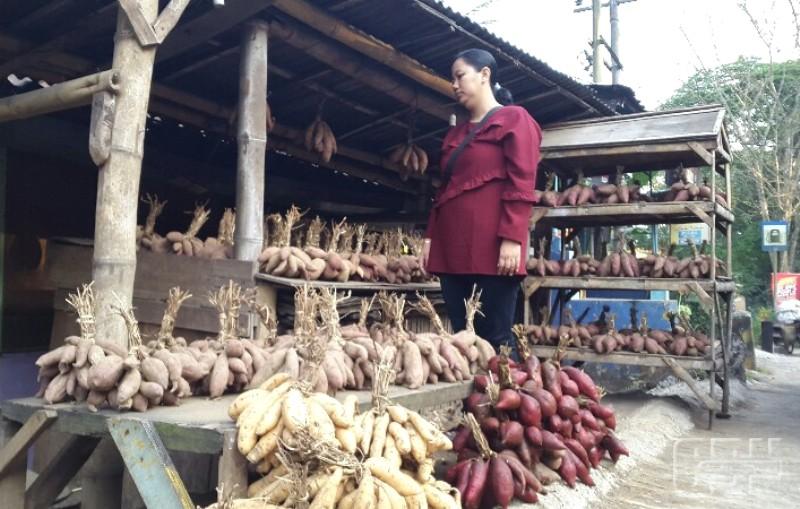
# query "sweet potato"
(551, 442)
(219, 376)
(502, 482)
(104, 375)
(511, 434)
(50, 358)
(530, 412)
(57, 389)
(547, 402)
(412, 365)
(473, 494)
(509, 399)
(129, 384)
(567, 406)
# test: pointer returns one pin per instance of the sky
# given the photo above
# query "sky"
(662, 42)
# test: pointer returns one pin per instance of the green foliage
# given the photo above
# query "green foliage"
(762, 102)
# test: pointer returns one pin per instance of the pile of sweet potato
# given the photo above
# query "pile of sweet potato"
(623, 262)
(602, 336)
(541, 423)
(294, 250)
(187, 243)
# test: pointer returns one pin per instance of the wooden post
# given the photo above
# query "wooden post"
(3, 200)
(12, 480)
(114, 262)
(252, 142)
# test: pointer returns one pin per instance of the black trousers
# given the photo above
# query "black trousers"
(498, 304)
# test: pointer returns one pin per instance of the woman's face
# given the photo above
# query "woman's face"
(467, 82)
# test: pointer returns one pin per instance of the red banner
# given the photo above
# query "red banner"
(785, 287)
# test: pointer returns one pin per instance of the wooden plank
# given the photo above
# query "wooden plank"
(701, 214)
(705, 299)
(684, 375)
(624, 283)
(698, 124)
(12, 481)
(18, 445)
(626, 358)
(702, 152)
(149, 463)
(141, 27)
(232, 468)
(168, 18)
(350, 285)
(365, 44)
(59, 471)
(601, 214)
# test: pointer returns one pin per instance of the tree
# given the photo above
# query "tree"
(763, 105)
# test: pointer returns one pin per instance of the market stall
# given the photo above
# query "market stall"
(646, 144)
(349, 111)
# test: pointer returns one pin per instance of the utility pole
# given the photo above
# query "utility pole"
(616, 65)
(597, 39)
(596, 61)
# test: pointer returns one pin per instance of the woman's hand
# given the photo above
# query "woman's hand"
(510, 256)
(426, 253)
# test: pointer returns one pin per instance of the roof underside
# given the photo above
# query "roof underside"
(196, 74)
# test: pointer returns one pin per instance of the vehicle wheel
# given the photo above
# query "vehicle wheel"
(788, 345)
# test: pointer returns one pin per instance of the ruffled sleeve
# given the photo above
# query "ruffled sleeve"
(521, 145)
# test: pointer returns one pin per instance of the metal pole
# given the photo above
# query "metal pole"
(615, 65)
(252, 141)
(596, 61)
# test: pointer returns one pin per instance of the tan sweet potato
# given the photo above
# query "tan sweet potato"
(219, 377)
(412, 366)
(67, 358)
(154, 370)
(50, 358)
(139, 403)
(82, 352)
(234, 348)
(129, 384)
(173, 365)
(95, 354)
(57, 389)
(104, 375)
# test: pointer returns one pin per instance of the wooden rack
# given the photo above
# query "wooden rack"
(645, 143)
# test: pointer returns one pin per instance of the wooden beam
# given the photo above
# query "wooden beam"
(84, 29)
(169, 18)
(206, 26)
(251, 137)
(701, 214)
(25, 437)
(365, 44)
(232, 471)
(61, 96)
(12, 481)
(705, 299)
(691, 382)
(59, 471)
(327, 53)
(701, 151)
(141, 26)
(114, 255)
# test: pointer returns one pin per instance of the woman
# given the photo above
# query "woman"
(478, 227)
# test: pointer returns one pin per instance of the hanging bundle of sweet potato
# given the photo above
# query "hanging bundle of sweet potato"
(319, 138)
(411, 157)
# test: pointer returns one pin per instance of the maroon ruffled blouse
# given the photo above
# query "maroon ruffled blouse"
(489, 196)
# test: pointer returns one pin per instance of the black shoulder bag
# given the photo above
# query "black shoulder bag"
(451, 162)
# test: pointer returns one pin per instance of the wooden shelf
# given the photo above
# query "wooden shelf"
(350, 285)
(629, 358)
(629, 283)
(631, 213)
(198, 424)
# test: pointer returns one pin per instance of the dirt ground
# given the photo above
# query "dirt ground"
(749, 460)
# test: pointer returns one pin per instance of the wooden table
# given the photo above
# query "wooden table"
(198, 425)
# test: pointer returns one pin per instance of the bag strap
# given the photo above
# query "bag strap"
(451, 162)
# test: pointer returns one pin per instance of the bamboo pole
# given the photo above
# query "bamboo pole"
(365, 44)
(61, 96)
(114, 260)
(322, 50)
(252, 141)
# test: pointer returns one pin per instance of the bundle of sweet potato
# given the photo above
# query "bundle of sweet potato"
(411, 158)
(531, 424)
(187, 243)
(350, 254)
(602, 336)
(685, 190)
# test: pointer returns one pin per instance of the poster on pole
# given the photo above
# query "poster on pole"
(786, 293)
(774, 235)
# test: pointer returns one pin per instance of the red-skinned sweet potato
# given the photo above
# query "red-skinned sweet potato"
(530, 412)
(502, 482)
(509, 399)
(511, 434)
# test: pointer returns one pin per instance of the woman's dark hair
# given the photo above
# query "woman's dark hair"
(479, 59)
